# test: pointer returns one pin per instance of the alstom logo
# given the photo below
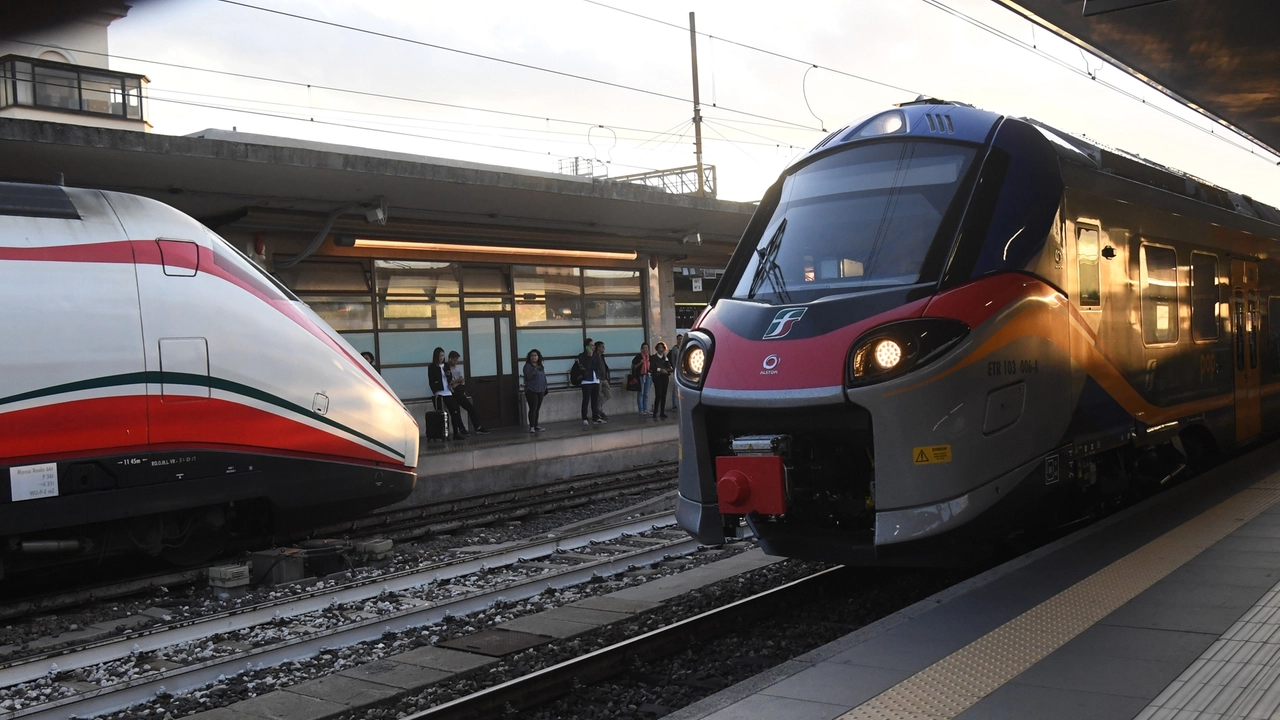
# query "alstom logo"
(782, 323)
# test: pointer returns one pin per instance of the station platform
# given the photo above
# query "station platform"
(512, 458)
(1168, 609)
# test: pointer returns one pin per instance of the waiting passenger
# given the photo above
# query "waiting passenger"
(640, 371)
(535, 387)
(661, 368)
(439, 379)
(458, 386)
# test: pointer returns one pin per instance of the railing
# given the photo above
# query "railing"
(48, 85)
(677, 181)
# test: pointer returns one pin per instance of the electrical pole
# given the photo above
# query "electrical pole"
(697, 105)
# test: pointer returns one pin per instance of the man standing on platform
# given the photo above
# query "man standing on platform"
(593, 369)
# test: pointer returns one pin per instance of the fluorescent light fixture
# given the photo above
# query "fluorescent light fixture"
(492, 249)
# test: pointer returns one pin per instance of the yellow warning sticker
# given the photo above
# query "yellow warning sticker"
(931, 454)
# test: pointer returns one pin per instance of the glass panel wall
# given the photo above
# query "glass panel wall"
(61, 86)
(400, 310)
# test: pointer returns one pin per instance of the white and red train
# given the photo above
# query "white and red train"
(160, 392)
(944, 326)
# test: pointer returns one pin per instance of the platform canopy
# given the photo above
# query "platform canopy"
(1221, 56)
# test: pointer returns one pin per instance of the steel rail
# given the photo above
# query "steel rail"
(550, 683)
(186, 679)
(473, 511)
(107, 650)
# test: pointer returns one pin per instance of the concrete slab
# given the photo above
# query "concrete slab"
(349, 691)
(671, 586)
(562, 447)
(443, 659)
(586, 616)
(551, 627)
(832, 682)
(1017, 702)
(757, 707)
(504, 455)
(395, 674)
(444, 463)
(612, 603)
(222, 713)
(660, 433)
(603, 442)
(284, 705)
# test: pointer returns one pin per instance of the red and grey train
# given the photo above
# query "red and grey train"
(943, 325)
(161, 392)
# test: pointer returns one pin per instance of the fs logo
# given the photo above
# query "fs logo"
(782, 323)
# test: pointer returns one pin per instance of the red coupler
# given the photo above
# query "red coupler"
(751, 483)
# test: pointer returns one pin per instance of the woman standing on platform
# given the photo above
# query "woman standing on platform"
(660, 367)
(640, 371)
(535, 387)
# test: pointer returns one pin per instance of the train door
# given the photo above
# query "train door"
(1245, 327)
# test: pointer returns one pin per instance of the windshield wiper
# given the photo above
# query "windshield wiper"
(768, 268)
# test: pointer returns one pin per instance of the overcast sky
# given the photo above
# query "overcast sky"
(765, 109)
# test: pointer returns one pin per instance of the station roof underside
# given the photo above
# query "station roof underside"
(1219, 55)
(222, 177)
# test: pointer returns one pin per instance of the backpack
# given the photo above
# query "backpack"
(576, 373)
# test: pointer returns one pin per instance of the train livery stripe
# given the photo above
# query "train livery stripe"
(156, 377)
(1043, 319)
(91, 425)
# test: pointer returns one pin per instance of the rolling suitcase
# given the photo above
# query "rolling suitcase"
(436, 424)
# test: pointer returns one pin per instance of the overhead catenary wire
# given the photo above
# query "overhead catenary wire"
(755, 48)
(1094, 76)
(492, 58)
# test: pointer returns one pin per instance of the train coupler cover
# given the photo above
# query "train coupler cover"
(752, 483)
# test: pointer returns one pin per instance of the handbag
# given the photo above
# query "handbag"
(633, 383)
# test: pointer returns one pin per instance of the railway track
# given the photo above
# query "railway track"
(398, 525)
(626, 548)
(545, 685)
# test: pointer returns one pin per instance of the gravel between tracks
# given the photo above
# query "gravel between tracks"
(193, 601)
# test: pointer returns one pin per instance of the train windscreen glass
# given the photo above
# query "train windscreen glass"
(862, 217)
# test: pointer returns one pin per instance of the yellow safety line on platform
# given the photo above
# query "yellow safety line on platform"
(955, 683)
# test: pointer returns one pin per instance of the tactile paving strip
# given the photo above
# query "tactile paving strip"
(958, 681)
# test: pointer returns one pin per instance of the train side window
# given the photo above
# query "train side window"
(1252, 324)
(1159, 295)
(1205, 324)
(1273, 334)
(1087, 261)
(1237, 326)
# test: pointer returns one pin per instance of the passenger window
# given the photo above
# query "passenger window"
(1237, 326)
(1087, 260)
(1205, 324)
(1253, 329)
(1273, 334)
(1159, 295)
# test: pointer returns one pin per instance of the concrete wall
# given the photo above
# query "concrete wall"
(87, 34)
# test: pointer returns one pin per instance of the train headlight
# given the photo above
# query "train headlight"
(888, 353)
(889, 123)
(694, 359)
(891, 350)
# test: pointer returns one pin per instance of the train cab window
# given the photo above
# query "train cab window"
(1159, 295)
(1205, 324)
(1087, 260)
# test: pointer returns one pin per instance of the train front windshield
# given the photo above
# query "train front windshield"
(864, 217)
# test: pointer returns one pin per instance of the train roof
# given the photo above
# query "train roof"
(933, 118)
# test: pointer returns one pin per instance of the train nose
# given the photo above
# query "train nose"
(751, 484)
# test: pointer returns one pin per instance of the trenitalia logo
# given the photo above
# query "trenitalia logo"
(782, 323)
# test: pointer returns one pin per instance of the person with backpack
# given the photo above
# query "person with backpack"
(640, 371)
(593, 369)
(535, 387)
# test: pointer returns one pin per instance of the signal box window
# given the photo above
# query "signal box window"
(1087, 259)
(1159, 295)
(1204, 297)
